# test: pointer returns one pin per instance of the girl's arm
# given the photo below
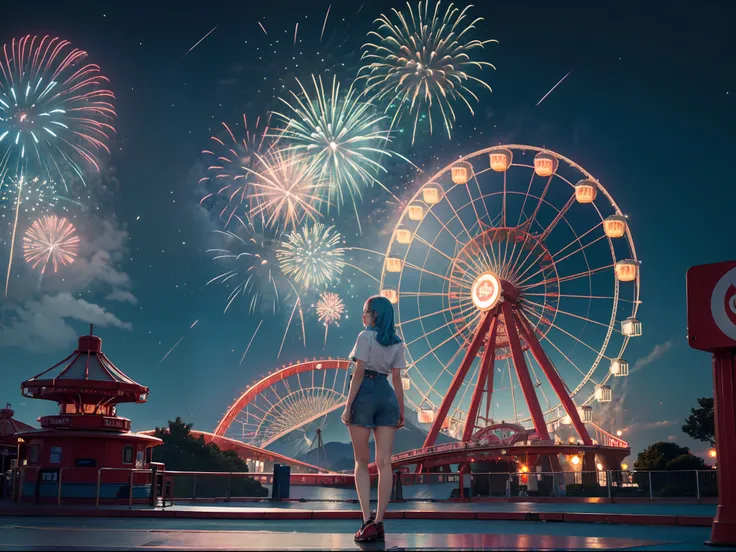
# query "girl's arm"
(355, 382)
(399, 389)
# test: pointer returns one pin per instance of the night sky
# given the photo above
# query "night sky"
(647, 109)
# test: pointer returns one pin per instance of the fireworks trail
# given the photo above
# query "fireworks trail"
(50, 239)
(339, 136)
(296, 30)
(230, 173)
(330, 309)
(286, 191)
(54, 112)
(552, 89)
(312, 256)
(249, 343)
(199, 41)
(172, 349)
(262, 28)
(423, 60)
(325, 23)
(177, 343)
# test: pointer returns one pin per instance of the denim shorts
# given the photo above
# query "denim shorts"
(375, 405)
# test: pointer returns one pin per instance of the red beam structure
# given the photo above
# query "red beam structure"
(522, 372)
(485, 374)
(553, 377)
(457, 381)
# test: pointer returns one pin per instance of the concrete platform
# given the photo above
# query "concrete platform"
(402, 534)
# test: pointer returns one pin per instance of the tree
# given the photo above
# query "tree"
(180, 451)
(658, 455)
(700, 424)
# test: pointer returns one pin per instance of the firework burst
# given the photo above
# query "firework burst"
(312, 256)
(422, 60)
(38, 195)
(230, 175)
(285, 192)
(250, 266)
(54, 110)
(50, 239)
(330, 309)
(341, 137)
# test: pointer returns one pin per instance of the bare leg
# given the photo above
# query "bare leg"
(384, 443)
(360, 436)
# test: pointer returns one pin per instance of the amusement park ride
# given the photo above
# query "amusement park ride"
(516, 287)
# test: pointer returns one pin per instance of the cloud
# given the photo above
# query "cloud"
(43, 325)
(96, 268)
(655, 425)
(123, 296)
(659, 350)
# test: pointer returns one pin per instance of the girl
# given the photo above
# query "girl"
(373, 405)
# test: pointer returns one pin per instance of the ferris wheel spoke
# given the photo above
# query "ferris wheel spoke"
(568, 278)
(423, 316)
(560, 216)
(579, 317)
(526, 196)
(430, 332)
(460, 282)
(480, 195)
(420, 239)
(433, 349)
(583, 343)
(578, 239)
(568, 359)
(444, 369)
(539, 202)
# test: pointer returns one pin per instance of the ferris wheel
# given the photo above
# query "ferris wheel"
(288, 404)
(516, 284)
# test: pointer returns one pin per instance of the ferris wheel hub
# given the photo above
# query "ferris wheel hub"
(486, 291)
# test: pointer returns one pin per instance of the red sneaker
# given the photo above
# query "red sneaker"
(368, 532)
(381, 534)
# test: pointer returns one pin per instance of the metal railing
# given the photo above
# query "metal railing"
(227, 486)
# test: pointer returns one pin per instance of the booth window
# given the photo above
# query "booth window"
(33, 454)
(128, 454)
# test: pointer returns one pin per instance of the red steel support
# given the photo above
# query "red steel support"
(485, 372)
(522, 372)
(553, 377)
(724, 407)
(458, 379)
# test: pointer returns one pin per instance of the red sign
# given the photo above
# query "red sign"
(711, 306)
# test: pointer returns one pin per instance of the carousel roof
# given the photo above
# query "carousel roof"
(86, 369)
(10, 426)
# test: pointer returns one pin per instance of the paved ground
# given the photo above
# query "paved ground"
(177, 534)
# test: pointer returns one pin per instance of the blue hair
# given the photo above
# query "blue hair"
(383, 312)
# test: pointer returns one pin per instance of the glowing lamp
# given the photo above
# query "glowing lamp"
(619, 367)
(627, 270)
(631, 327)
(571, 440)
(624, 467)
(586, 414)
(425, 415)
(403, 236)
(431, 195)
(545, 164)
(575, 460)
(615, 226)
(393, 264)
(524, 468)
(391, 295)
(460, 173)
(405, 383)
(501, 160)
(603, 393)
(319, 366)
(416, 212)
(599, 466)
(619, 433)
(585, 191)
(712, 453)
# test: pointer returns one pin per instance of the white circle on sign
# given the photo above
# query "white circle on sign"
(719, 303)
(486, 291)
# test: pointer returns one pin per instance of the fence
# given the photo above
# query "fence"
(150, 485)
